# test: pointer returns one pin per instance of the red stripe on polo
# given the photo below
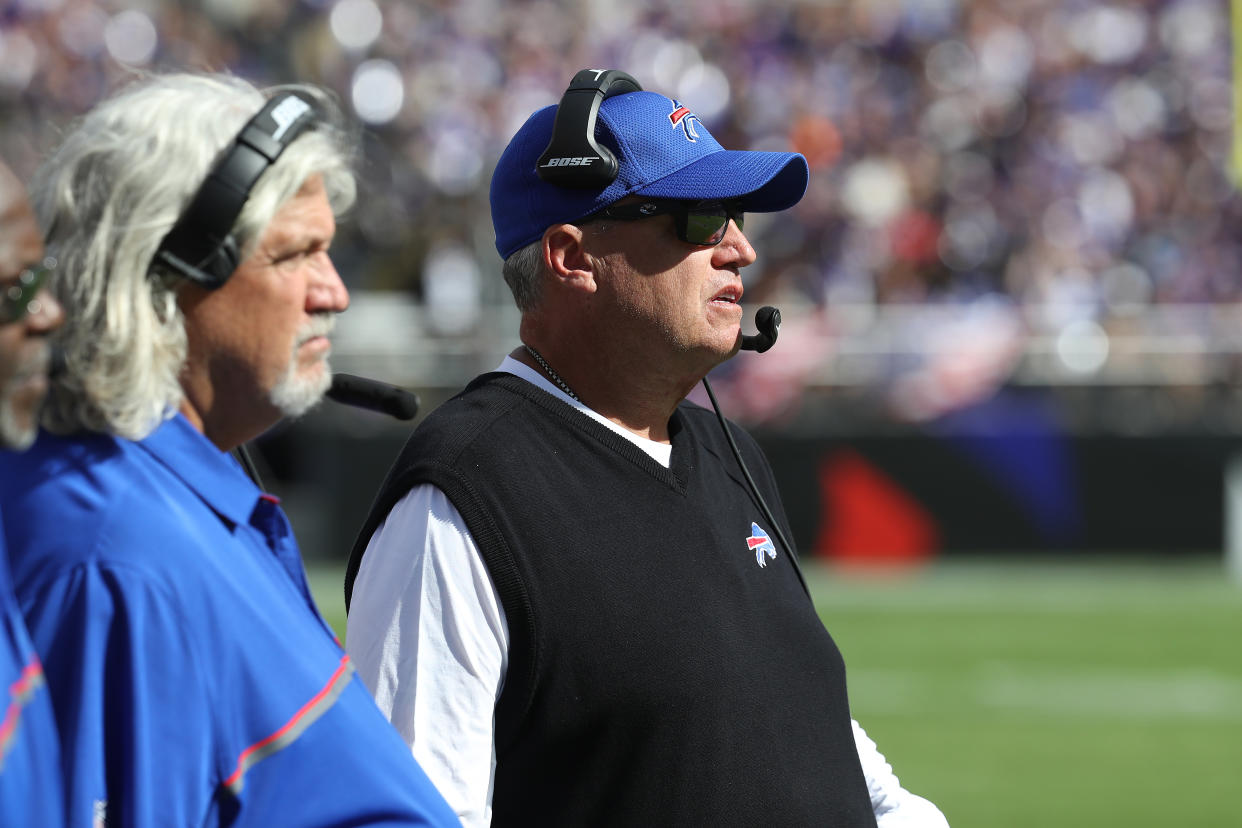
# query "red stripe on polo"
(305, 716)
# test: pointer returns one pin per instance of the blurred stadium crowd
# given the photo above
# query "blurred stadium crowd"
(1003, 191)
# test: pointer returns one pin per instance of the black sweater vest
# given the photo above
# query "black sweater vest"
(661, 670)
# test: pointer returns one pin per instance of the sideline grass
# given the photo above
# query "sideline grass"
(1039, 694)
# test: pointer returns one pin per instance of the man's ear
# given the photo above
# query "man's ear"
(566, 258)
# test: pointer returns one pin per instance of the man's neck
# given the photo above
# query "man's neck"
(641, 402)
(225, 428)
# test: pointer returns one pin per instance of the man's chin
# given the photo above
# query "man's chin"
(16, 433)
(296, 393)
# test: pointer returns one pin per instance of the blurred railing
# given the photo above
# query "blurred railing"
(1015, 428)
(983, 342)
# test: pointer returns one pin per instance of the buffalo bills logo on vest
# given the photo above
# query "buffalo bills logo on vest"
(681, 116)
(760, 543)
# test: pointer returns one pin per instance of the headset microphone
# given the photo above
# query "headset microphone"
(373, 395)
(768, 321)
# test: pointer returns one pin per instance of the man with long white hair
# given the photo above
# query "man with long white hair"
(31, 790)
(193, 679)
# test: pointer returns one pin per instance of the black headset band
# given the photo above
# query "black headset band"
(573, 158)
(200, 246)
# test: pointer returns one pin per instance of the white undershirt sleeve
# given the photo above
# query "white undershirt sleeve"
(429, 639)
(894, 806)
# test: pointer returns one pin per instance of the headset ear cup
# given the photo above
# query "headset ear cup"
(210, 274)
(170, 267)
(227, 260)
(608, 163)
(572, 157)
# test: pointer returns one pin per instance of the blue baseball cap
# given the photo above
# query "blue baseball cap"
(662, 151)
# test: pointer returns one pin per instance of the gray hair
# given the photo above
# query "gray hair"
(523, 272)
(107, 198)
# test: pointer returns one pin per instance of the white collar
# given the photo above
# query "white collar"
(660, 452)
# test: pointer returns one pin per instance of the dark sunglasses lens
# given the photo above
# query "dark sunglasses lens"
(707, 227)
(15, 300)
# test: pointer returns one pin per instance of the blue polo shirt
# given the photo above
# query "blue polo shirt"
(31, 792)
(193, 679)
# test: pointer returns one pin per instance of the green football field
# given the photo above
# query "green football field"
(1041, 695)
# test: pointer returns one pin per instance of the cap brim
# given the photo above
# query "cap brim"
(763, 182)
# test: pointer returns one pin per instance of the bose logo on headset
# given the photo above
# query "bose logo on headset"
(201, 247)
(570, 162)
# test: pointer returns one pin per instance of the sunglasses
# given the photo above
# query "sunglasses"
(698, 222)
(21, 297)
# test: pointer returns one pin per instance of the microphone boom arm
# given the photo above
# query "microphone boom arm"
(768, 321)
(373, 395)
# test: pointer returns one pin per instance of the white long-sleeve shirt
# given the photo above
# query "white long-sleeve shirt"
(428, 635)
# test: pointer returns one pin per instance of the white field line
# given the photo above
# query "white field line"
(1026, 592)
(992, 602)
(1186, 696)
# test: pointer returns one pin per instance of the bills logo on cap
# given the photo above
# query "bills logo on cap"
(681, 116)
(759, 543)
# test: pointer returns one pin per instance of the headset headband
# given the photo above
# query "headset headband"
(573, 158)
(201, 246)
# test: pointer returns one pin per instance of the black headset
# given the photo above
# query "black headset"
(201, 246)
(574, 159)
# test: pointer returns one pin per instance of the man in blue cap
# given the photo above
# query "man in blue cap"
(566, 598)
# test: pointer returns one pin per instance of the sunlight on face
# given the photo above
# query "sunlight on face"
(297, 391)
